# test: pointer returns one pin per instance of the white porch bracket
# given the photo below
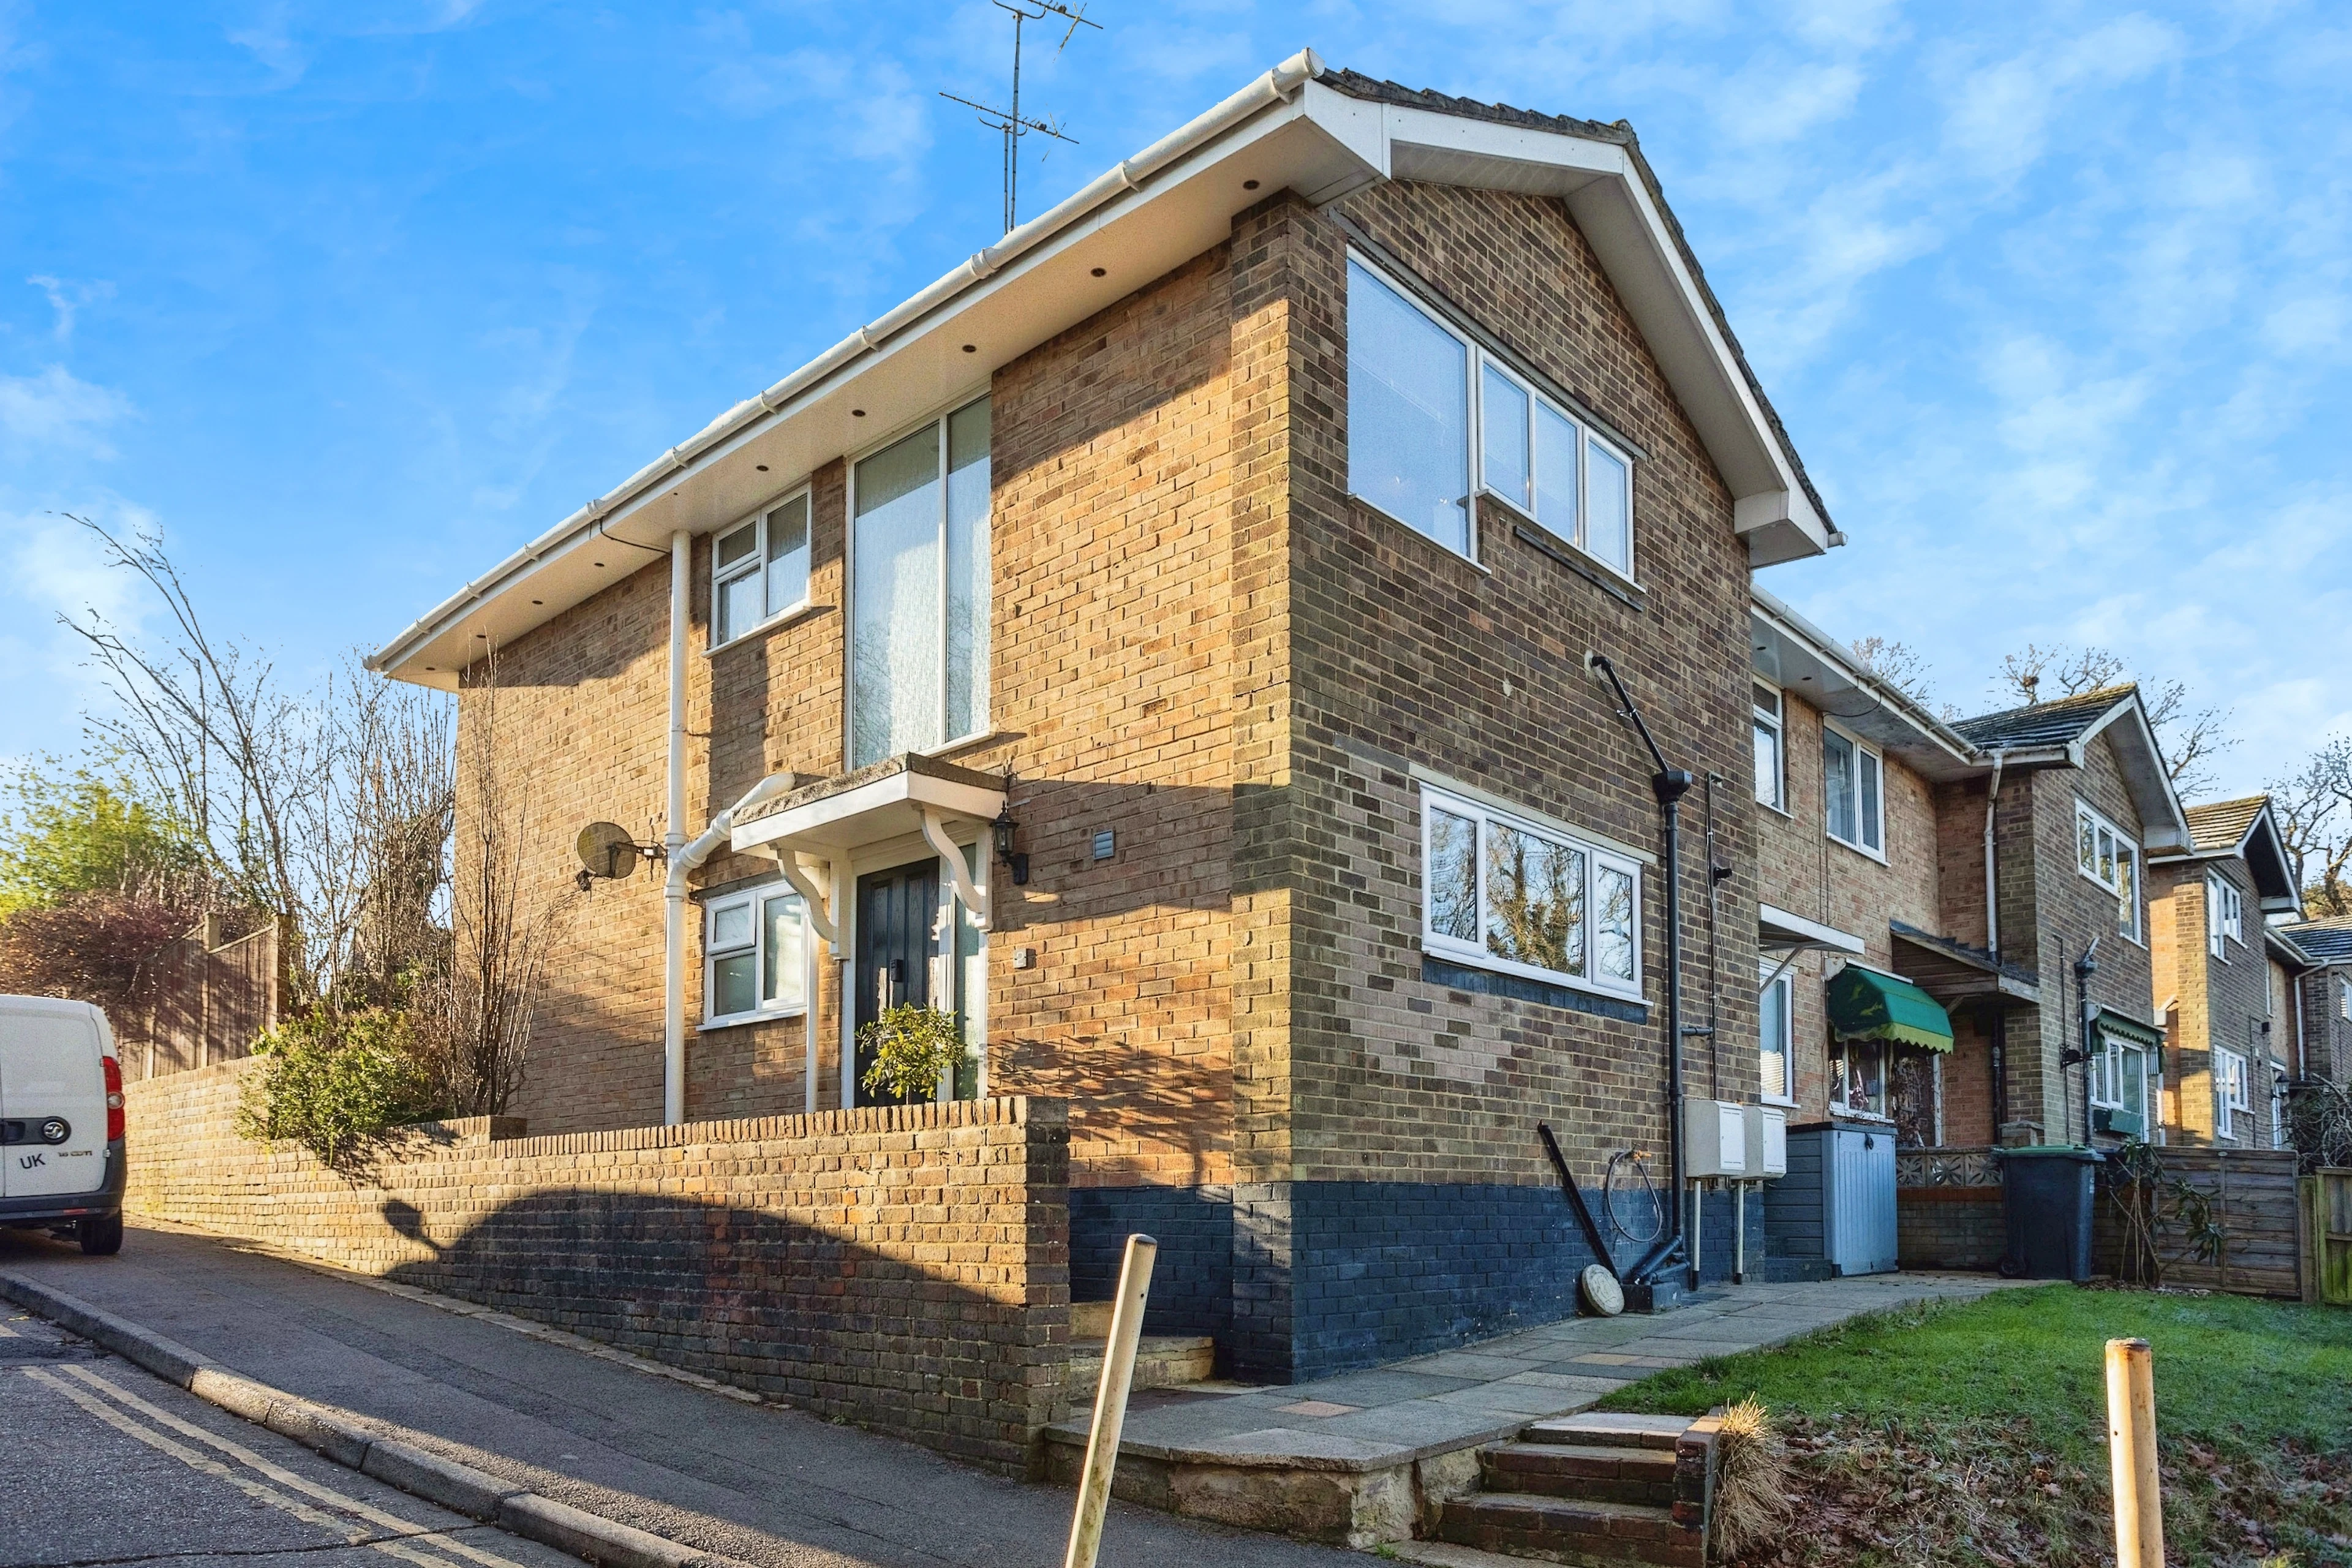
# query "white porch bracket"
(935, 833)
(816, 902)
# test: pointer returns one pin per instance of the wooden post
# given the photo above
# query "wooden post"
(1111, 1401)
(2131, 1454)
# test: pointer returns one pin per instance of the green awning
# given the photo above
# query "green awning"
(2123, 1027)
(1867, 1005)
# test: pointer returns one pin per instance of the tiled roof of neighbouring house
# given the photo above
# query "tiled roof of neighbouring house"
(2329, 941)
(2054, 723)
(2223, 823)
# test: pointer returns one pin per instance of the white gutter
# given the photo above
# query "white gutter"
(681, 555)
(684, 458)
(683, 861)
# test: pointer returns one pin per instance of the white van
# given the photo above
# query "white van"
(61, 1166)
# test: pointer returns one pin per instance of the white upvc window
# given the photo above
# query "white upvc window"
(1505, 894)
(1434, 420)
(2343, 1000)
(2120, 1077)
(919, 637)
(1775, 1034)
(1771, 749)
(2225, 915)
(1853, 789)
(2103, 853)
(2230, 1093)
(754, 955)
(760, 570)
(2278, 1110)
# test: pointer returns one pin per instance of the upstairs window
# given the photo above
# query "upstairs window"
(2225, 916)
(1853, 793)
(1771, 774)
(760, 570)
(1418, 390)
(920, 590)
(1505, 894)
(2104, 855)
(754, 955)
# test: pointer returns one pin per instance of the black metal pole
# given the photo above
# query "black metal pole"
(1670, 785)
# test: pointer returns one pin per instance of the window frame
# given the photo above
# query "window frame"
(1782, 979)
(2106, 1074)
(1842, 1057)
(1477, 360)
(1777, 723)
(937, 420)
(1861, 748)
(2133, 929)
(2225, 915)
(759, 562)
(2232, 1090)
(1477, 955)
(2343, 998)
(754, 900)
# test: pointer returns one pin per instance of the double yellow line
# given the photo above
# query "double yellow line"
(358, 1521)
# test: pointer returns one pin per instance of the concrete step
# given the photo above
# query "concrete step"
(1574, 1470)
(1090, 1320)
(1600, 1429)
(1162, 1361)
(1563, 1530)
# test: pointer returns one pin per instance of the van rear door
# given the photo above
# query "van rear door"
(52, 1100)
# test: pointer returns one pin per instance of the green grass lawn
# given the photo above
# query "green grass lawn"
(1977, 1432)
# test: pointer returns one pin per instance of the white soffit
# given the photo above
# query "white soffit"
(1307, 138)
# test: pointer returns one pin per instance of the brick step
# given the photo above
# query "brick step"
(1563, 1530)
(1596, 1429)
(1162, 1361)
(1590, 1471)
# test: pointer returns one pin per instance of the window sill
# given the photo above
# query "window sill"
(1865, 852)
(738, 1020)
(1776, 810)
(1783, 1101)
(774, 623)
(1528, 973)
(1377, 509)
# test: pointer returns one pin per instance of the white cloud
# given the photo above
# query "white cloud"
(2000, 114)
(51, 411)
(67, 300)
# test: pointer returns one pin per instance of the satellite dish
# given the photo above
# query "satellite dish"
(607, 849)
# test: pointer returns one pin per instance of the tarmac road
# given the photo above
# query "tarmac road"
(103, 1463)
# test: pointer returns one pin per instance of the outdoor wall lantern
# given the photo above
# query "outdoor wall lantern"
(1004, 829)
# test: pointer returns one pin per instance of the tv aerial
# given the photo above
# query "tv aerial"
(610, 852)
(1008, 122)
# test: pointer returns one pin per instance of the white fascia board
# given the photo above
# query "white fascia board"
(885, 808)
(1807, 933)
(1798, 656)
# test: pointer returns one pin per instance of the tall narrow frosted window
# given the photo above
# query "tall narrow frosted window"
(1837, 787)
(1608, 518)
(920, 601)
(1505, 442)
(1408, 412)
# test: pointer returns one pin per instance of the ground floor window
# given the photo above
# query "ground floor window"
(755, 954)
(1776, 1036)
(1506, 894)
(2119, 1086)
(2230, 1094)
(1858, 1077)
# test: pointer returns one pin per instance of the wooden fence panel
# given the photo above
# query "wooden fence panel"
(208, 1004)
(2328, 1198)
(2253, 1194)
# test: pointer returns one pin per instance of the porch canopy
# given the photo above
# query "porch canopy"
(814, 830)
(1865, 1004)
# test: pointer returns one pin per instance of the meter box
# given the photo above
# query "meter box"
(1767, 1128)
(1715, 1140)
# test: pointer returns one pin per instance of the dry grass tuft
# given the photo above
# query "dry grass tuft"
(1751, 1487)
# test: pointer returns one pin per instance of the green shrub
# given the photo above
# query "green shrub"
(333, 1082)
(913, 1048)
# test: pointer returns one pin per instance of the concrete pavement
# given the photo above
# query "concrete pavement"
(105, 1463)
(766, 1485)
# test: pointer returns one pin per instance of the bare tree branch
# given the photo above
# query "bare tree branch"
(1897, 664)
(2190, 738)
(2314, 807)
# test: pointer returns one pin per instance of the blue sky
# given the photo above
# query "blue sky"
(349, 298)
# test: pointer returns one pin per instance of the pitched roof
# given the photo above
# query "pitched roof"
(2223, 823)
(2328, 941)
(2059, 723)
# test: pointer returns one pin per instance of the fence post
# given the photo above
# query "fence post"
(1111, 1401)
(2131, 1454)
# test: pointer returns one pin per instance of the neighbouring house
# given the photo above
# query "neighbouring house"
(1164, 643)
(2207, 904)
(2322, 999)
(2081, 804)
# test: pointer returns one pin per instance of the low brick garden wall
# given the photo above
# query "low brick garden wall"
(907, 1267)
(1947, 1209)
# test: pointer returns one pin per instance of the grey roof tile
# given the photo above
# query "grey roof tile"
(2057, 723)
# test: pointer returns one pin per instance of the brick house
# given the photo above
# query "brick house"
(2319, 968)
(2224, 1055)
(1163, 643)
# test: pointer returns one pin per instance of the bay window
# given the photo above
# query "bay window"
(1853, 791)
(920, 590)
(1418, 386)
(1505, 894)
(760, 570)
(754, 955)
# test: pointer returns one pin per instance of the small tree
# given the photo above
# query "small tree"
(913, 1047)
(336, 1082)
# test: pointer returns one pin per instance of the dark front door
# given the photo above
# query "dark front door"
(896, 911)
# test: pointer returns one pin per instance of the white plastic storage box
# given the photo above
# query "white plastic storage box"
(1768, 1141)
(1715, 1140)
